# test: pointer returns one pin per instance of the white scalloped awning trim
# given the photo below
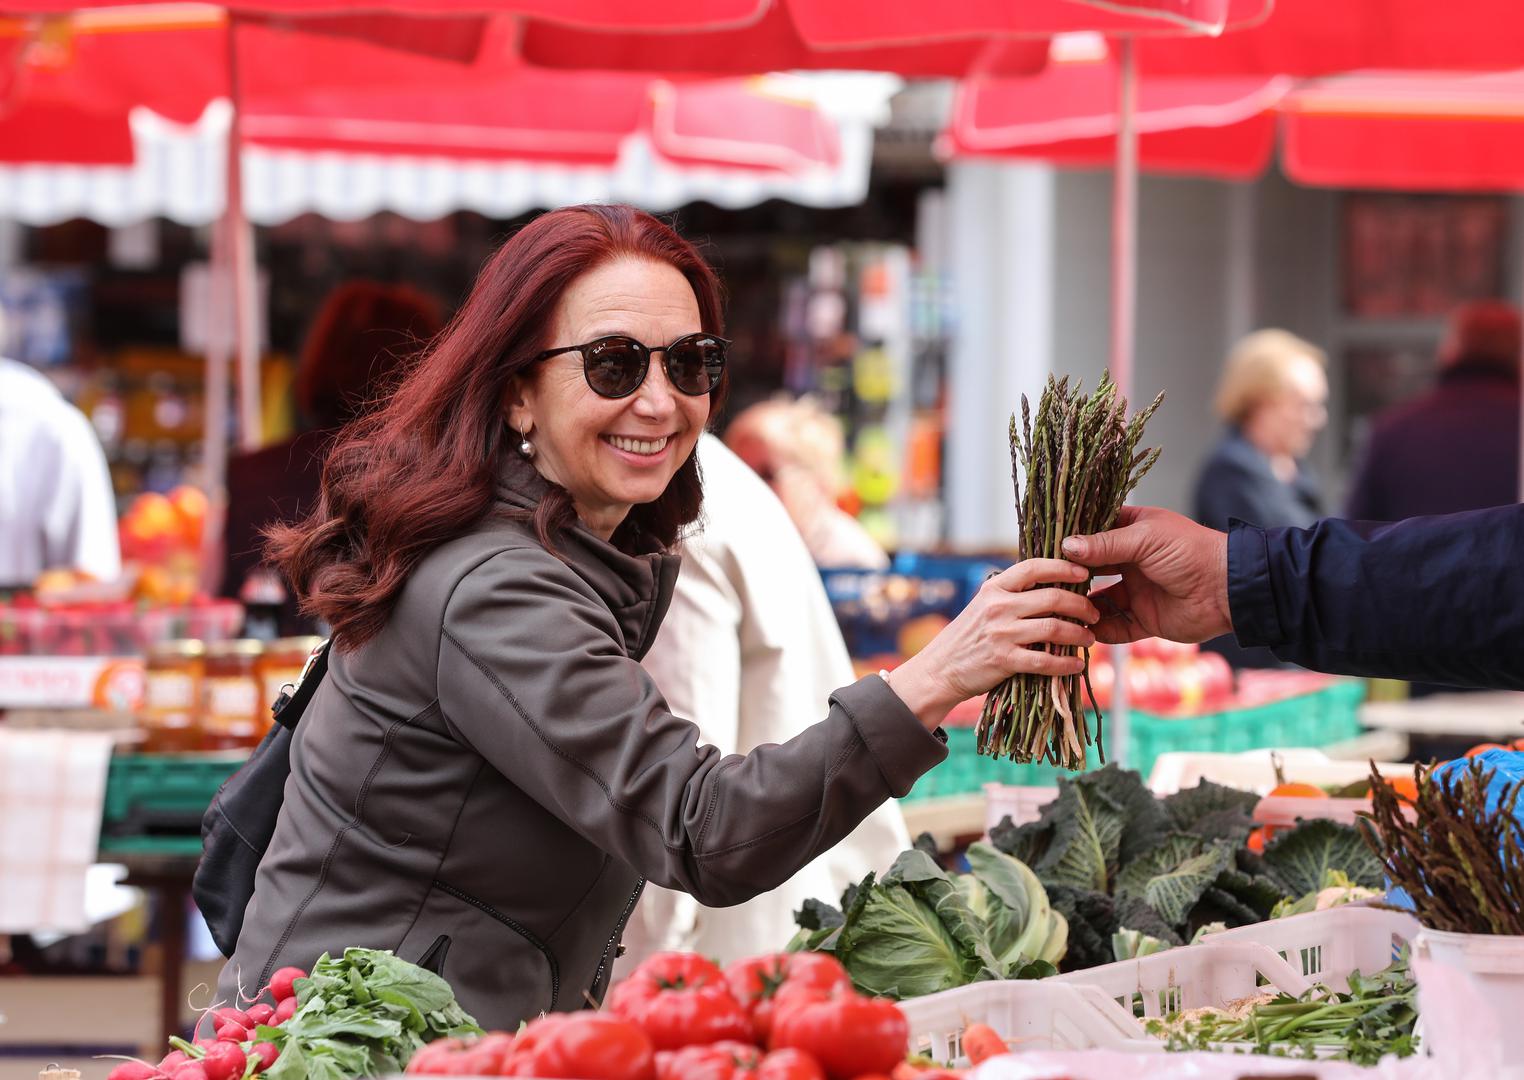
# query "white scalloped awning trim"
(180, 174)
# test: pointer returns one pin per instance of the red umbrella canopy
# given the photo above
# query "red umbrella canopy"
(1318, 37)
(1425, 131)
(920, 39)
(610, 14)
(1210, 126)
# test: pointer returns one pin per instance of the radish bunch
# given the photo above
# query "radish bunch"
(234, 1052)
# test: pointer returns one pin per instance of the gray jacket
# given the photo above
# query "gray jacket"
(486, 785)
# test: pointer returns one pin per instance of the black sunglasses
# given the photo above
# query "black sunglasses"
(615, 366)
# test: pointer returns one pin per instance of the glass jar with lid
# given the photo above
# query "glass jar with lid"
(230, 696)
(171, 715)
(278, 667)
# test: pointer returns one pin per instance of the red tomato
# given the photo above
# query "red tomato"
(789, 1064)
(848, 1034)
(757, 982)
(581, 1046)
(487, 1056)
(1216, 677)
(680, 999)
(727, 1060)
(435, 1059)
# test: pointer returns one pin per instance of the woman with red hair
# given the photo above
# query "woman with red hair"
(487, 777)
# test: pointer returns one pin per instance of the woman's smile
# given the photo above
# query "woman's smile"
(638, 450)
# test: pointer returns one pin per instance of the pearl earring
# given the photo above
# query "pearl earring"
(525, 446)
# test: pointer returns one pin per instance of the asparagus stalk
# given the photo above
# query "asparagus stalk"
(1073, 465)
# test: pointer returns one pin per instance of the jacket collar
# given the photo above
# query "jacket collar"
(637, 586)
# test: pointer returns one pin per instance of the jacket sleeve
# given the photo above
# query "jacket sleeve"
(533, 677)
(1437, 599)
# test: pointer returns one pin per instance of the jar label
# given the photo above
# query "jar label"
(229, 702)
(171, 691)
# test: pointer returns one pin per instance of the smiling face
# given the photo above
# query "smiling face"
(612, 454)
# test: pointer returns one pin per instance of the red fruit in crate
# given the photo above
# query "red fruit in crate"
(190, 508)
(848, 1034)
(1216, 677)
(758, 982)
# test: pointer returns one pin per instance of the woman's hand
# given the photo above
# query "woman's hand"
(992, 638)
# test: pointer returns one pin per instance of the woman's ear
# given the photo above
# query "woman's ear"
(517, 407)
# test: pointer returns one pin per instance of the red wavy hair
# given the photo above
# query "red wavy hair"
(419, 469)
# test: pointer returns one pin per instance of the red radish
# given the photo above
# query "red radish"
(264, 1055)
(206, 1040)
(281, 982)
(132, 1070)
(260, 1014)
(284, 1010)
(191, 1070)
(232, 1033)
(229, 1015)
(172, 1061)
(225, 1061)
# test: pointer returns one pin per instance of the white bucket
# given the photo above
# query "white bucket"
(1471, 997)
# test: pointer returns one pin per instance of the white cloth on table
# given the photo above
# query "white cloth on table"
(57, 508)
(52, 788)
(750, 651)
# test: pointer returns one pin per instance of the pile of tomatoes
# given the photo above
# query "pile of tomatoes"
(791, 1016)
(1164, 677)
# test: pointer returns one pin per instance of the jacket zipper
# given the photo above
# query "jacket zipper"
(519, 929)
(624, 917)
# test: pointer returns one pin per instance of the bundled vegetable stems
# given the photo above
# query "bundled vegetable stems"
(1461, 856)
(1081, 459)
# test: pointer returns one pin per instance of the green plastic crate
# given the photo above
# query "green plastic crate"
(162, 794)
(1317, 719)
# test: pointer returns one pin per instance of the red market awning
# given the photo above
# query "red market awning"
(915, 40)
(1428, 131)
(1319, 37)
(1217, 127)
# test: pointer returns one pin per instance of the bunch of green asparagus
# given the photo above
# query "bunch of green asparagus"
(1080, 459)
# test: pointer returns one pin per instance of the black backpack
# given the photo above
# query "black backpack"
(237, 826)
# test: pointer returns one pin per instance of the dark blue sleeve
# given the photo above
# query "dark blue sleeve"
(1437, 599)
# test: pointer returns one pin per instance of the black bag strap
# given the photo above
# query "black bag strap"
(292, 703)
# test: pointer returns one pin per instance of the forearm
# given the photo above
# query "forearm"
(1433, 599)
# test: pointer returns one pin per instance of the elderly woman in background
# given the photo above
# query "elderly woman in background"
(487, 777)
(1274, 400)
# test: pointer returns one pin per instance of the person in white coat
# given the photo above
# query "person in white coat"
(57, 510)
(748, 647)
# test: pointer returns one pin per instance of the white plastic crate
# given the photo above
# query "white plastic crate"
(1190, 977)
(1325, 946)
(1254, 770)
(1020, 804)
(1030, 1014)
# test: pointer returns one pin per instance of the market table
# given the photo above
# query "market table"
(1496, 715)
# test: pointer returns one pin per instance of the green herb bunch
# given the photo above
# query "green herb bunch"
(363, 1014)
(1374, 1018)
(1080, 458)
(1460, 856)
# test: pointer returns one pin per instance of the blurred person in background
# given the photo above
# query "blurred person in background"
(799, 450)
(749, 645)
(57, 508)
(358, 340)
(1274, 400)
(1455, 447)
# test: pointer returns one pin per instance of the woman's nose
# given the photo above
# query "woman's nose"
(655, 398)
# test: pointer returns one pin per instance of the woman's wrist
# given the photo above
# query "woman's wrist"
(920, 694)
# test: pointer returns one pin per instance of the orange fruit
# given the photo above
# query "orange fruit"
(1517, 744)
(1405, 787)
(1256, 842)
(1297, 790)
(1482, 748)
